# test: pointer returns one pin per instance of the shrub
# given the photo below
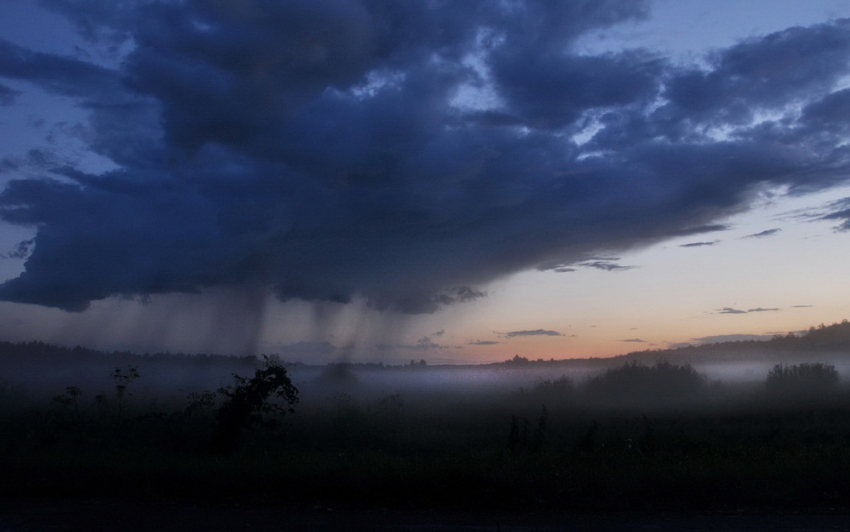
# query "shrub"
(802, 380)
(557, 391)
(254, 401)
(638, 384)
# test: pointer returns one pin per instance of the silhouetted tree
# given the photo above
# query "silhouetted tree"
(254, 401)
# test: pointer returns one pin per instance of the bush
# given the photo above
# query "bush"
(557, 391)
(802, 380)
(254, 401)
(636, 384)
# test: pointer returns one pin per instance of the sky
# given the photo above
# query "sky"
(449, 181)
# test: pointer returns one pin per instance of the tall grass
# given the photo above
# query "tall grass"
(556, 445)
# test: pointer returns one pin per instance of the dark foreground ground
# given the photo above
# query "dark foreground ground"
(35, 515)
(639, 449)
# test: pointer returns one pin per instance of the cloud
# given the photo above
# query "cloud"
(21, 251)
(710, 228)
(321, 149)
(840, 211)
(536, 332)
(606, 266)
(8, 96)
(600, 263)
(728, 310)
(483, 342)
(699, 244)
(635, 340)
(768, 232)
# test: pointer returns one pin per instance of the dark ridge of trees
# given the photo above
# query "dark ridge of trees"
(833, 338)
(820, 339)
(634, 382)
(823, 338)
(25, 351)
(802, 381)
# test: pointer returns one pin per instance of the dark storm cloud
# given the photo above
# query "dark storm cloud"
(536, 332)
(690, 231)
(768, 232)
(61, 75)
(21, 251)
(320, 149)
(7, 95)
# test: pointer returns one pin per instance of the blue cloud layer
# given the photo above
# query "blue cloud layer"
(320, 147)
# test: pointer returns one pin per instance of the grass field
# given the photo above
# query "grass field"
(647, 443)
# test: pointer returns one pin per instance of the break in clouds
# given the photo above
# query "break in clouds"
(406, 153)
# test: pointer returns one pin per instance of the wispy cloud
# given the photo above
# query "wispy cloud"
(483, 342)
(840, 211)
(729, 310)
(710, 228)
(606, 266)
(699, 244)
(535, 332)
(766, 233)
(635, 340)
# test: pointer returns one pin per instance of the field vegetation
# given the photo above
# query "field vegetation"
(633, 436)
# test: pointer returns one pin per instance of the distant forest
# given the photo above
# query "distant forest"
(833, 339)
(816, 341)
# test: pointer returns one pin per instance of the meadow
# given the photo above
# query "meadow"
(630, 437)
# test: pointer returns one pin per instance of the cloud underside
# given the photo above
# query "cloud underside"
(699, 244)
(406, 153)
(536, 332)
(763, 234)
(729, 310)
(840, 211)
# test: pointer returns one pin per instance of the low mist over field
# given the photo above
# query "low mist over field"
(44, 369)
(743, 425)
